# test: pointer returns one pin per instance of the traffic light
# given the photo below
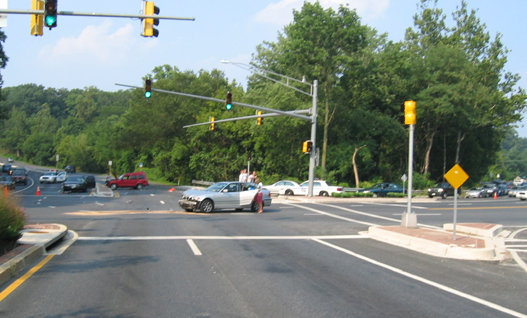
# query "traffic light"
(148, 88)
(228, 101)
(148, 24)
(211, 119)
(50, 13)
(409, 112)
(37, 20)
(307, 146)
(259, 120)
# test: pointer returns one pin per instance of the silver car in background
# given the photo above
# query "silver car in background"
(224, 195)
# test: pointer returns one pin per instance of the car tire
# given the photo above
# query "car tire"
(189, 210)
(324, 194)
(206, 206)
(254, 207)
(430, 196)
(113, 186)
(289, 192)
(444, 195)
(140, 186)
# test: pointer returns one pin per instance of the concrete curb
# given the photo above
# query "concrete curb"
(489, 232)
(430, 247)
(39, 237)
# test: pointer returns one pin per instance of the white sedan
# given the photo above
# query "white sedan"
(286, 187)
(48, 177)
(61, 177)
(522, 195)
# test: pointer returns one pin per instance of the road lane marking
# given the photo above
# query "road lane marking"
(425, 281)
(398, 205)
(22, 279)
(195, 237)
(422, 214)
(334, 215)
(483, 208)
(360, 213)
(193, 247)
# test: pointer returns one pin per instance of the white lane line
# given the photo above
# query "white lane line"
(422, 214)
(334, 215)
(514, 252)
(193, 247)
(153, 238)
(426, 281)
(399, 205)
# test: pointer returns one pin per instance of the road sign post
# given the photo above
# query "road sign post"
(456, 177)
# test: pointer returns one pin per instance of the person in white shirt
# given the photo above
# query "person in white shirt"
(251, 177)
(259, 195)
(243, 176)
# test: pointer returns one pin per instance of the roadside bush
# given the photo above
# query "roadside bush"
(350, 194)
(12, 219)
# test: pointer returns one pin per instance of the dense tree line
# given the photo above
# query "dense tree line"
(467, 106)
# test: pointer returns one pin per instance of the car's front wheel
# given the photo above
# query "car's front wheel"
(207, 206)
(139, 186)
(113, 186)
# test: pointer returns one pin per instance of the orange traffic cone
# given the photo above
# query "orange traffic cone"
(495, 195)
(38, 190)
(172, 190)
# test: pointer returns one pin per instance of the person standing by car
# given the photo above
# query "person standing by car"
(259, 196)
(251, 177)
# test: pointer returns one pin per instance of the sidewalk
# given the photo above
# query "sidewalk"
(34, 241)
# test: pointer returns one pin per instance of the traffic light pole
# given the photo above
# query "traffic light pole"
(88, 14)
(313, 154)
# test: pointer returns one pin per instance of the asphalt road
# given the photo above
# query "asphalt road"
(138, 255)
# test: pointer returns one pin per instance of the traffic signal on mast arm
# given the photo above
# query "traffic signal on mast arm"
(259, 120)
(409, 112)
(212, 125)
(37, 20)
(228, 101)
(307, 146)
(50, 13)
(148, 88)
(148, 24)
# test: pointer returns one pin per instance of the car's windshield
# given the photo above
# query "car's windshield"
(217, 187)
(17, 172)
(74, 179)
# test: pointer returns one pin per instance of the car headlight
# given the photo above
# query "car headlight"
(430, 190)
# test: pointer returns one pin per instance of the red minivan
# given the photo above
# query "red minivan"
(136, 180)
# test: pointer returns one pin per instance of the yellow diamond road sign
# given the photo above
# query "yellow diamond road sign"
(456, 176)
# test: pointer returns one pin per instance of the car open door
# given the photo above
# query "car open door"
(90, 182)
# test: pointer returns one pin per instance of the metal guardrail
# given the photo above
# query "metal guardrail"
(201, 182)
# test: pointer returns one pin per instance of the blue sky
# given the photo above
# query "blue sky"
(93, 51)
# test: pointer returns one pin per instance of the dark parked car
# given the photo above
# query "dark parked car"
(382, 189)
(19, 175)
(7, 168)
(70, 169)
(7, 181)
(78, 183)
(443, 190)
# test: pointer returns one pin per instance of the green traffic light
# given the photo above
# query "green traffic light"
(50, 20)
(228, 106)
(148, 94)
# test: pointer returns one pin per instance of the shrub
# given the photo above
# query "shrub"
(12, 219)
(350, 194)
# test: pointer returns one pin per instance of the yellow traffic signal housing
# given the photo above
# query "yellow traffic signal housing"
(409, 112)
(37, 20)
(211, 119)
(259, 120)
(307, 146)
(148, 24)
